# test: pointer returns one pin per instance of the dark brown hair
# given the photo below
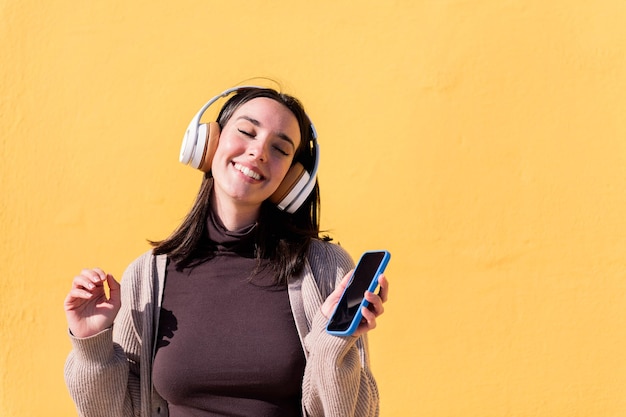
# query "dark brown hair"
(282, 238)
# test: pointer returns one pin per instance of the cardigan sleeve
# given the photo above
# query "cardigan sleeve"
(97, 375)
(338, 380)
(102, 371)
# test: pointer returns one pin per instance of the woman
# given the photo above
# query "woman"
(227, 316)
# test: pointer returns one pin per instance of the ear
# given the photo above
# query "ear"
(211, 132)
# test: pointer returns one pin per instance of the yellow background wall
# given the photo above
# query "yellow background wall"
(483, 142)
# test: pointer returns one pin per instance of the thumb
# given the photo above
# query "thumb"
(344, 282)
(115, 294)
(331, 301)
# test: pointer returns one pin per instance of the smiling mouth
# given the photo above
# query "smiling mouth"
(246, 171)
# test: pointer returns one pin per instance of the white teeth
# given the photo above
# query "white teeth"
(247, 172)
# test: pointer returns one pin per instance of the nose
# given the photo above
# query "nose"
(258, 149)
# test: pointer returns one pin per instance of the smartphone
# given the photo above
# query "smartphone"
(347, 314)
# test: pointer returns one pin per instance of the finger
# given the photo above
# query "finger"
(96, 275)
(340, 288)
(101, 274)
(80, 293)
(112, 282)
(115, 296)
(81, 281)
(383, 292)
(76, 297)
(375, 303)
(332, 300)
(369, 317)
(346, 279)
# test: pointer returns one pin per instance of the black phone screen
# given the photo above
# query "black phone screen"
(349, 303)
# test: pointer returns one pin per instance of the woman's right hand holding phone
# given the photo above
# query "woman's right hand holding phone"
(88, 309)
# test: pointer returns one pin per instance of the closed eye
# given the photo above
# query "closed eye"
(246, 133)
(282, 151)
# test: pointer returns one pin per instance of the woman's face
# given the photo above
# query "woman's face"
(254, 152)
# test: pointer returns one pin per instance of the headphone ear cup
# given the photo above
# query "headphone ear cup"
(190, 141)
(291, 186)
(211, 136)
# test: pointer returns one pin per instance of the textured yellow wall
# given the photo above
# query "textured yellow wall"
(483, 142)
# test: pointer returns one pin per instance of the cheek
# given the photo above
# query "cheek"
(226, 148)
(282, 168)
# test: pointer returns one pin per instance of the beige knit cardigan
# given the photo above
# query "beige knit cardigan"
(110, 374)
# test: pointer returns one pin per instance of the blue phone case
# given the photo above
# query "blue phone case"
(364, 303)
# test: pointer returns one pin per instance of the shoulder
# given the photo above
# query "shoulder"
(140, 265)
(142, 271)
(323, 254)
(329, 264)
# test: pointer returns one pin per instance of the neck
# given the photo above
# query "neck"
(235, 216)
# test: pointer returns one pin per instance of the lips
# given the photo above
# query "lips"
(247, 171)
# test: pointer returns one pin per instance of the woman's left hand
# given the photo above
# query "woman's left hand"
(370, 313)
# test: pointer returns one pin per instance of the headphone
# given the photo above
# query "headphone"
(200, 142)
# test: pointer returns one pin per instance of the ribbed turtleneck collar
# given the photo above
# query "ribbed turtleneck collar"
(241, 241)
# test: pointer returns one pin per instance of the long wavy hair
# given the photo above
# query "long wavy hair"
(282, 238)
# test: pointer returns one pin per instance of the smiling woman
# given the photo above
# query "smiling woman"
(297, 215)
(227, 315)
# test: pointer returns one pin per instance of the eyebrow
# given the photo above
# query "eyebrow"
(281, 135)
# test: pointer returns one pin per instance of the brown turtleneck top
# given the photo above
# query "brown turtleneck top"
(227, 342)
